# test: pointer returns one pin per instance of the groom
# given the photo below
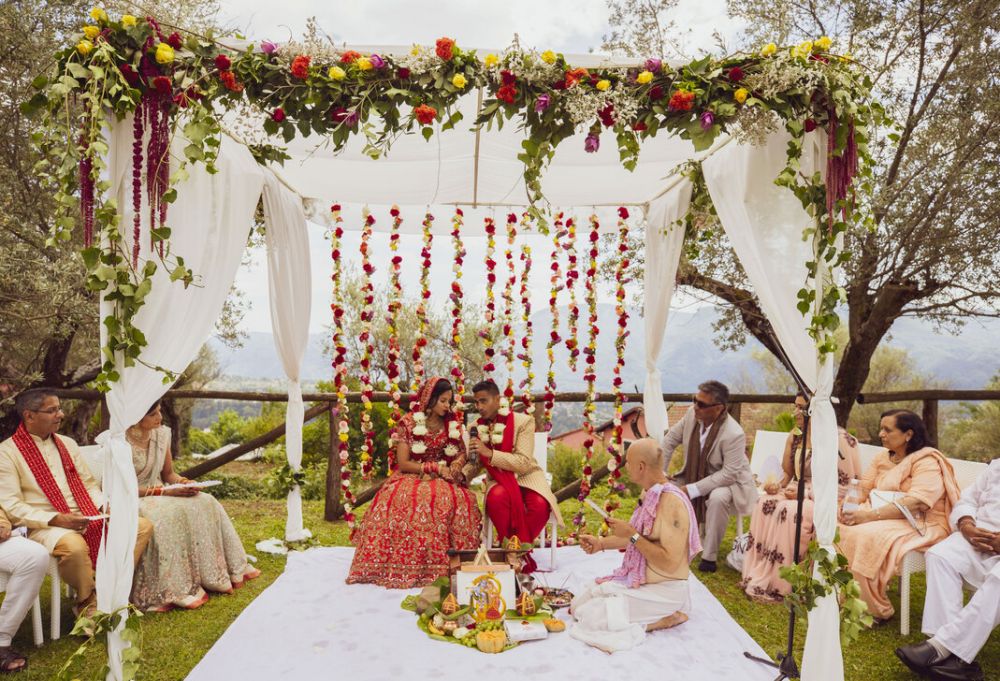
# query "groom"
(519, 499)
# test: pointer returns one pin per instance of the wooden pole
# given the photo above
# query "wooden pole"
(931, 421)
(332, 508)
(735, 410)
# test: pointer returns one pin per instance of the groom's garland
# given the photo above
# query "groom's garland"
(368, 349)
(491, 304)
(554, 338)
(572, 274)
(340, 412)
(392, 321)
(508, 307)
(457, 373)
(425, 293)
(525, 355)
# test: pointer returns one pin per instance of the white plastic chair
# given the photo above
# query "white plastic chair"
(966, 473)
(36, 612)
(542, 457)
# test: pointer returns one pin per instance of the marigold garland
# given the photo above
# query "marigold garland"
(425, 293)
(368, 349)
(558, 233)
(572, 275)
(491, 305)
(340, 412)
(508, 308)
(525, 354)
(392, 322)
(457, 373)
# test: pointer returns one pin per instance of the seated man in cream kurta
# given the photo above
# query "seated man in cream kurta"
(46, 486)
(649, 591)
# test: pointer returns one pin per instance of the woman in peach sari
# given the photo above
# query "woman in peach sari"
(876, 539)
(772, 525)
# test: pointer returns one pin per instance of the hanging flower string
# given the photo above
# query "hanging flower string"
(525, 354)
(491, 304)
(558, 233)
(340, 412)
(615, 448)
(425, 293)
(590, 359)
(457, 373)
(508, 307)
(367, 346)
(572, 274)
(392, 322)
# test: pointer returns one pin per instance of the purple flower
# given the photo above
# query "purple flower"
(377, 61)
(267, 47)
(542, 103)
(654, 65)
(707, 119)
(592, 143)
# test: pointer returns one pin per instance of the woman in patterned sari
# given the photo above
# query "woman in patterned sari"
(772, 525)
(424, 508)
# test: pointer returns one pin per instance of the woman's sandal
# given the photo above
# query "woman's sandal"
(8, 657)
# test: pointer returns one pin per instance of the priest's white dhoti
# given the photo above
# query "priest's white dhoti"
(611, 616)
(963, 631)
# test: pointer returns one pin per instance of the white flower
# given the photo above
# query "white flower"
(496, 439)
(453, 432)
(450, 451)
(420, 430)
(612, 464)
(504, 411)
(460, 632)
(419, 416)
(343, 428)
(419, 448)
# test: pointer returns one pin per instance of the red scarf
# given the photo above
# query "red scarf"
(43, 476)
(508, 479)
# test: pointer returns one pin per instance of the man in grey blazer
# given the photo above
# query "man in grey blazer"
(716, 474)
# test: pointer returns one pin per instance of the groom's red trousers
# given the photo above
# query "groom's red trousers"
(498, 507)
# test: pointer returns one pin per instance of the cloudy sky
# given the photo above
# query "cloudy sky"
(568, 26)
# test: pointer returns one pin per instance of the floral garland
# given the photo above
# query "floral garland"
(525, 354)
(489, 225)
(554, 338)
(392, 322)
(368, 349)
(125, 66)
(590, 359)
(615, 447)
(508, 307)
(340, 411)
(572, 275)
(457, 374)
(425, 294)
(420, 433)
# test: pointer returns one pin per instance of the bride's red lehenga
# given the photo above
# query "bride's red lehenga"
(403, 539)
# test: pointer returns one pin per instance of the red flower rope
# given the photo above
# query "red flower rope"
(572, 274)
(525, 354)
(491, 306)
(392, 321)
(340, 411)
(558, 233)
(425, 293)
(457, 374)
(508, 310)
(367, 317)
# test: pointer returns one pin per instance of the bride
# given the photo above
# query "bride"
(425, 507)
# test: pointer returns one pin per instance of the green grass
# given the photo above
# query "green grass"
(174, 642)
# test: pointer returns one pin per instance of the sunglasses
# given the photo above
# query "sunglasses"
(704, 405)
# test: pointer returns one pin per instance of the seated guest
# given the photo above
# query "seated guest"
(972, 554)
(772, 526)
(716, 474)
(46, 486)
(519, 500)
(876, 539)
(649, 591)
(24, 564)
(425, 507)
(194, 548)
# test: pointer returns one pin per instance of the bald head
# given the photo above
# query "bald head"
(644, 462)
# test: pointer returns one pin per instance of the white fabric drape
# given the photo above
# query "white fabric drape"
(289, 291)
(664, 240)
(764, 222)
(211, 221)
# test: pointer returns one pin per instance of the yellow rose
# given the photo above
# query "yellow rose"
(128, 21)
(344, 437)
(549, 57)
(415, 50)
(741, 95)
(84, 47)
(644, 77)
(164, 53)
(337, 73)
(458, 81)
(363, 63)
(803, 49)
(769, 50)
(98, 14)
(491, 60)
(603, 85)
(823, 43)
(91, 32)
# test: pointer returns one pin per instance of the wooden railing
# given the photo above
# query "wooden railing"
(930, 400)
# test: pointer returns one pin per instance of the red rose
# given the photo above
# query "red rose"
(300, 66)
(229, 80)
(810, 125)
(623, 213)
(425, 114)
(507, 93)
(394, 212)
(222, 63)
(403, 73)
(162, 85)
(370, 220)
(335, 207)
(349, 57)
(175, 41)
(681, 100)
(656, 93)
(444, 47)
(735, 74)
(639, 126)
(607, 115)
(511, 217)
(278, 115)
(130, 75)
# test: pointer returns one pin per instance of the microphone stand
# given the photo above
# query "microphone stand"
(786, 666)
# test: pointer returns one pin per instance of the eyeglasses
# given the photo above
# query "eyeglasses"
(50, 412)
(704, 405)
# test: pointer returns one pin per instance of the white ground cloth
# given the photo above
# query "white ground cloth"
(309, 625)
